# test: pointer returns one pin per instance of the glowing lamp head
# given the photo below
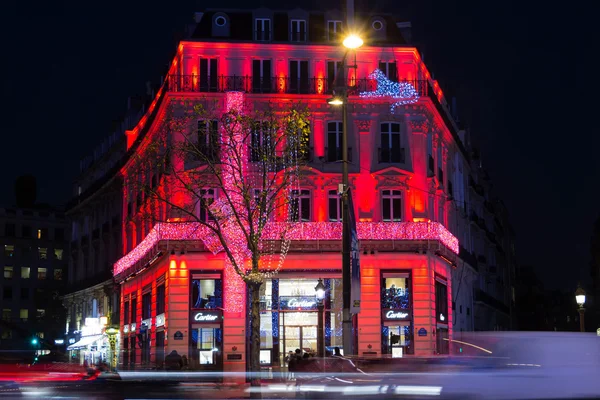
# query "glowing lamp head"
(353, 42)
(111, 331)
(34, 341)
(320, 290)
(580, 296)
(336, 101)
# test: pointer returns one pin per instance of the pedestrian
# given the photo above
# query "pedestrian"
(173, 361)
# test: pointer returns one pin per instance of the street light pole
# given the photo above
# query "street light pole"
(580, 299)
(352, 42)
(320, 294)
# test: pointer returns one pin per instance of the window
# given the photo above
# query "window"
(42, 233)
(59, 234)
(6, 334)
(430, 159)
(24, 314)
(24, 293)
(207, 292)
(42, 253)
(261, 76)
(397, 329)
(334, 28)
(335, 206)
(390, 151)
(332, 72)
(441, 302)
(8, 272)
(395, 293)
(126, 314)
(391, 207)
(377, 25)
(300, 206)
(207, 197)
(160, 299)
(10, 230)
(298, 31)
(26, 231)
(208, 140)
(41, 273)
(262, 29)
(208, 75)
(39, 314)
(58, 254)
(58, 274)
(220, 21)
(146, 305)
(6, 314)
(133, 311)
(390, 70)
(334, 141)
(7, 293)
(299, 82)
(25, 272)
(261, 147)
(9, 250)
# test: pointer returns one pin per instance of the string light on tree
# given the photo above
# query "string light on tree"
(400, 92)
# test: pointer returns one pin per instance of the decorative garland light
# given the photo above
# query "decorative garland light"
(301, 231)
(401, 92)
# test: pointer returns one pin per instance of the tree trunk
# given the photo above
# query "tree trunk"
(255, 340)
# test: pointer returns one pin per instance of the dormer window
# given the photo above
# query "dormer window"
(220, 21)
(262, 29)
(334, 29)
(377, 25)
(298, 30)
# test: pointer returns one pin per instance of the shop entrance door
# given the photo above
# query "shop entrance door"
(300, 337)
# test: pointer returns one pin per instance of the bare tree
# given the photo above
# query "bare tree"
(231, 173)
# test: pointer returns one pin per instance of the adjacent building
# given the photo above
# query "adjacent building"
(33, 253)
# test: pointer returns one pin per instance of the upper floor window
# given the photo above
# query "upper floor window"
(300, 206)
(261, 76)
(8, 272)
(262, 29)
(261, 146)
(298, 30)
(334, 29)
(208, 140)
(391, 150)
(299, 81)
(334, 141)
(390, 70)
(207, 197)
(430, 159)
(126, 313)
(391, 205)
(334, 201)
(10, 230)
(9, 250)
(160, 299)
(207, 291)
(332, 73)
(208, 75)
(146, 305)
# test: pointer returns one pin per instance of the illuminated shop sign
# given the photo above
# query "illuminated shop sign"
(297, 303)
(206, 316)
(396, 315)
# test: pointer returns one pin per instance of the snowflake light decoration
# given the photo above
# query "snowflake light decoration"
(400, 92)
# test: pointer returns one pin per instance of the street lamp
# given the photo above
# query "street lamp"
(112, 333)
(320, 295)
(351, 42)
(580, 299)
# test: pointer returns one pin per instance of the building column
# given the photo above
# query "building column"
(418, 198)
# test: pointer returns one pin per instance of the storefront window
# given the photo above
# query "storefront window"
(160, 299)
(146, 305)
(207, 342)
(207, 293)
(397, 325)
(441, 312)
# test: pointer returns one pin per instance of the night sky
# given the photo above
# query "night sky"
(523, 73)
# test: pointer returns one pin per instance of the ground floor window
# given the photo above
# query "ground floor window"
(442, 342)
(160, 347)
(397, 340)
(207, 346)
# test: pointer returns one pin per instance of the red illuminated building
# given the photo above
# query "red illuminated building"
(408, 172)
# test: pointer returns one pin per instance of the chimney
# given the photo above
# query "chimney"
(349, 15)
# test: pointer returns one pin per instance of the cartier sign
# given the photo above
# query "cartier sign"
(396, 315)
(295, 303)
(206, 316)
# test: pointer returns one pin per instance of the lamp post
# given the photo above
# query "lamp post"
(320, 295)
(352, 42)
(112, 332)
(580, 299)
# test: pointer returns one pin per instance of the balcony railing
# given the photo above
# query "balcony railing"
(391, 155)
(334, 154)
(274, 85)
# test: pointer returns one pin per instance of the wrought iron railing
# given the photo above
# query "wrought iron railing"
(391, 155)
(274, 85)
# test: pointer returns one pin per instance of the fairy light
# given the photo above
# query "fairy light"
(295, 231)
(401, 92)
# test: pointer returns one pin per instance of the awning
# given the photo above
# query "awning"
(85, 342)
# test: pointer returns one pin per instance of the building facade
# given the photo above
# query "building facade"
(95, 218)
(34, 250)
(409, 172)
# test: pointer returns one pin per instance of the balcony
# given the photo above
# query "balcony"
(274, 85)
(388, 155)
(334, 154)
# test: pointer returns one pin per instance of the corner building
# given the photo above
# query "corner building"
(408, 173)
